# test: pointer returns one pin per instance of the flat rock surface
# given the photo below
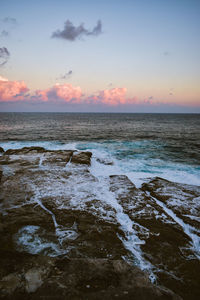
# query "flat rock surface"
(44, 277)
(81, 158)
(66, 233)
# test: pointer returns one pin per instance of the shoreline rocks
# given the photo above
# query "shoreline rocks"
(61, 238)
(25, 150)
(82, 158)
(44, 277)
(1, 150)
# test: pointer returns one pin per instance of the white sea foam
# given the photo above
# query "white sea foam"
(131, 241)
(193, 218)
(140, 167)
(62, 233)
(55, 145)
(33, 240)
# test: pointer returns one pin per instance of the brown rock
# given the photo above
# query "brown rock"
(104, 161)
(82, 158)
(183, 199)
(25, 150)
(57, 158)
(37, 186)
(1, 150)
(34, 279)
(79, 279)
(9, 283)
(166, 245)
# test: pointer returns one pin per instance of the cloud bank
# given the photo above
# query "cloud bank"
(113, 97)
(12, 90)
(72, 32)
(65, 92)
(66, 97)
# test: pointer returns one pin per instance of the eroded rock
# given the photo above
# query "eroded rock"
(183, 199)
(80, 279)
(25, 150)
(34, 279)
(167, 246)
(57, 158)
(62, 233)
(9, 283)
(1, 150)
(81, 158)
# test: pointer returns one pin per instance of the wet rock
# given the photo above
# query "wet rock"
(15, 191)
(22, 274)
(1, 150)
(25, 150)
(32, 196)
(57, 158)
(4, 160)
(183, 199)
(166, 244)
(60, 237)
(96, 237)
(15, 162)
(104, 161)
(81, 158)
(79, 279)
(9, 283)
(103, 279)
(13, 222)
(34, 279)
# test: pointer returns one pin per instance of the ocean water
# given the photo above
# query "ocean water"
(138, 145)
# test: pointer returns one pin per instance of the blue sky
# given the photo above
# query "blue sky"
(150, 48)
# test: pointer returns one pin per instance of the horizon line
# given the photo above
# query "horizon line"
(89, 112)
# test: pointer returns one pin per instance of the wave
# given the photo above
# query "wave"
(138, 160)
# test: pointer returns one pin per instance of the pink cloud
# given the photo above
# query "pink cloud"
(113, 97)
(15, 90)
(12, 90)
(64, 91)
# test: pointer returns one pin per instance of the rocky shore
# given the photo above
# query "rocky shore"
(67, 234)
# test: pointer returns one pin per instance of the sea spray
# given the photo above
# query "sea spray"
(131, 241)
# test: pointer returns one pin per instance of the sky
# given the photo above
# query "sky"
(100, 56)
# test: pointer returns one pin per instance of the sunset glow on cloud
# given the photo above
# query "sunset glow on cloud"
(15, 91)
(62, 91)
(113, 96)
(66, 93)
(12, 90)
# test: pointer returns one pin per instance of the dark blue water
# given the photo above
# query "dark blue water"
(140, 145)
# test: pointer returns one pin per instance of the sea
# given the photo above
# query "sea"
(140, 146)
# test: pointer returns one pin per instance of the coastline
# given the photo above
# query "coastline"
(54, 198)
